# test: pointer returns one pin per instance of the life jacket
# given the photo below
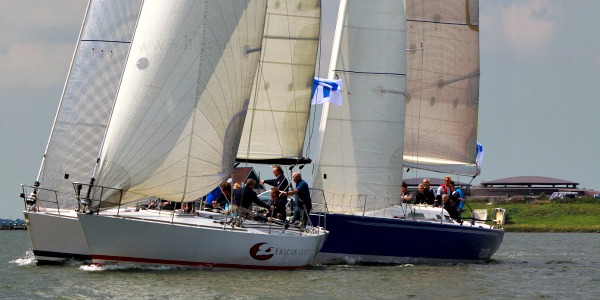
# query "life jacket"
(445, 189)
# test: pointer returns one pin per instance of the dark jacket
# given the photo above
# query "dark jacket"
(426, 197)
(282, 184)
(429, 197)
(420, 198)
(245, 196)
(280, 205)
(451, 209)
(222, 200)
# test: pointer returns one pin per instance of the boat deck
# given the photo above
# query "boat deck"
(215, 220)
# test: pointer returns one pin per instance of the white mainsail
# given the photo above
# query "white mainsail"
(178, 117)
(443, 86)
(88, 98)
(278, 113)
(360, 160)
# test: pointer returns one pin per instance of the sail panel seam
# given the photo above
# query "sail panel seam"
(108, 41)
(443, 23)
(371, 73)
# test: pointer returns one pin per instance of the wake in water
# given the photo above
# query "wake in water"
(125, 266)
(28, 260)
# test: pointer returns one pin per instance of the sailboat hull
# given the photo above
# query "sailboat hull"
(56, 238)
(357, 239)
(197, 242)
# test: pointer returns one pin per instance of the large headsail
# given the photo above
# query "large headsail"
(278, 113)
(443, 86)
(175, 129)
(88, 97)
(360, 160)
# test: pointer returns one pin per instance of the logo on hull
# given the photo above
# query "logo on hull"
(261, 251)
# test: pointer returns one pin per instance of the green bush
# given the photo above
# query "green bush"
(577, 200)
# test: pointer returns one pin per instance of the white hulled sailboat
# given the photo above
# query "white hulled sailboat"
(175, 132)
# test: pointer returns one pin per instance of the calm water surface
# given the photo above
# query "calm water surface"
(527, 266)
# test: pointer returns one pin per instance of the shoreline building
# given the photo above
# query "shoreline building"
(528, 187)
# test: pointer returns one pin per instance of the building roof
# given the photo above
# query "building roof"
(240, 174)
(529, 181)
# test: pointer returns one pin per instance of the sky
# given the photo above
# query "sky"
(539, 110)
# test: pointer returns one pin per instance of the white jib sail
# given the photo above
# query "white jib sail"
(443, 86)
(360, 160)
(278, 113)
(181, 106)
(88, 98)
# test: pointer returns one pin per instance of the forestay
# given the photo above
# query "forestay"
(443, 86)
(278, 113)
(180, 110)
(88, 97)
(360, 160)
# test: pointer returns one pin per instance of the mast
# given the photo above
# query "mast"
(335, 49)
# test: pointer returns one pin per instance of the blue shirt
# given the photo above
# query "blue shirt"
(213, 195)
(461, 195)
(303, 194)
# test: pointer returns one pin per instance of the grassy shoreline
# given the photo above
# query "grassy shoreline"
(573, 215)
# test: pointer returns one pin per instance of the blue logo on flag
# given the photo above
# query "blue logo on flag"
(326, 90)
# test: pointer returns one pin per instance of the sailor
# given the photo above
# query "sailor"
(303, 201)
(280, 182)
(429, 194)
(444, 189)
(277, 204)
(449, 207)
(225, 196)
(244, 197)
(458, 197)
(405, 197)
